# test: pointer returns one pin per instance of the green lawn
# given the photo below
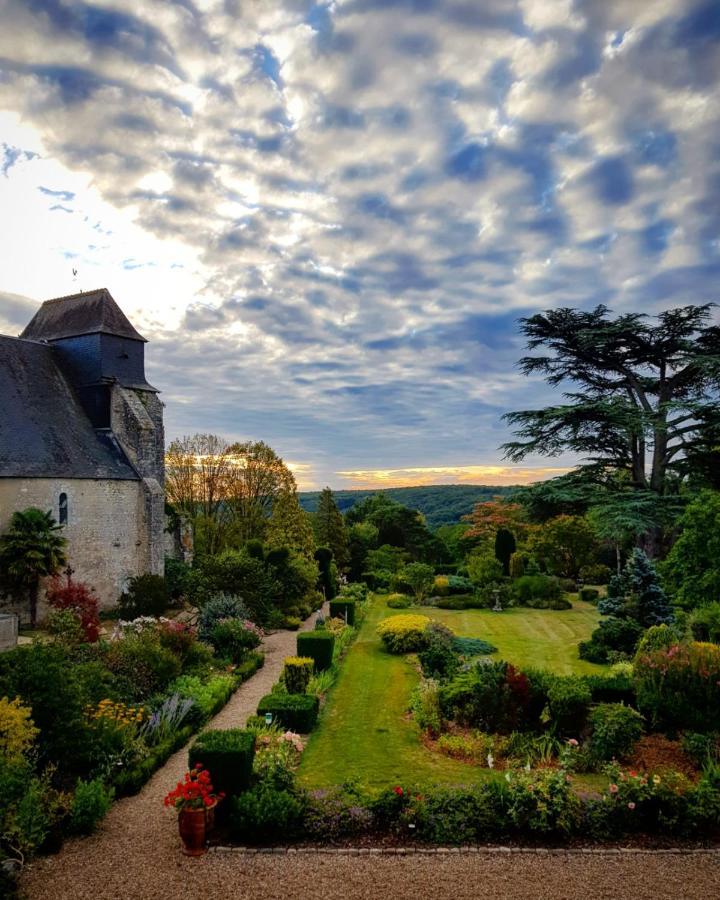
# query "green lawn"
(365, 733)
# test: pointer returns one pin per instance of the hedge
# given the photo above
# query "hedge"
(296, 712)
(319, 646)
(343, 609)
(228, 755)
(297, 673)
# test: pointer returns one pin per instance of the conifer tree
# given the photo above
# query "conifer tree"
(614, 603)
(330, 530)
(504, 548)
(647, 601)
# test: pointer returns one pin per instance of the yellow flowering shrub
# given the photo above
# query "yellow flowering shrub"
(120, 714)
(335, 625)
(404, 633)
(17, 729)
(442, 585)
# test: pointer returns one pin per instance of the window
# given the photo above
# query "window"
(63, 509)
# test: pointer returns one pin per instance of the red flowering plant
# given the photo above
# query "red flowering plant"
(195, 791)
(78, 599)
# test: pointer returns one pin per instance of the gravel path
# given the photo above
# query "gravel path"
(136, 855)
(137, 847)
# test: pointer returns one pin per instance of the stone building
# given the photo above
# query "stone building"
(81, 435)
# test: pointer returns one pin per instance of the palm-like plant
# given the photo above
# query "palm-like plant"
(30, 550)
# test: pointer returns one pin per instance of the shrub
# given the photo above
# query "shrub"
(641, 802)
(265, 813)
(17, 730)
(343, 609)
(517, 564)
(615, 686)
(438, 659)
(357, 592)
(456, 602)
(146, 595)
(611, 634)
(228, 755)
(589, 595)
(404, 633)
(179, 637)
(484, 568)
(425, 706)
(568, 701)
(234, 638)
(474, 747)
(531, 749)
(296, 712)
(459, 816)
(615, 729)
(90, 804)
(319, 646)
(705, 623)
(492, 697)
(679, 687)
(147, 666)
(543, 802)
(397, 601)
(466, 646)
(217, 608)
(208, 696)
(703, 749)
(297, 673)
(166, 720)
(597, 573)
(529, 588)
(78, 599)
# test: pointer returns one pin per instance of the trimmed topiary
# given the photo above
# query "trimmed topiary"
(296, 712)
(589, 595)
(319, 646)
(342, 608)
(228, 756)
(297, 673)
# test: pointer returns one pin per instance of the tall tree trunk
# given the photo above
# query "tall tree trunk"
(33, 594)
(618, 560)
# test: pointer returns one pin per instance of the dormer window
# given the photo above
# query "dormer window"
(63, 509)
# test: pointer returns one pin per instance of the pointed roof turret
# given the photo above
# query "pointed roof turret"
(89, 312)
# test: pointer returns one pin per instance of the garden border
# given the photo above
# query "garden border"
(445, 851)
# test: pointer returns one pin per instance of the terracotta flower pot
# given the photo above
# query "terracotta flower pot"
(192, 826)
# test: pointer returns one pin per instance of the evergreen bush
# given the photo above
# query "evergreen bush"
(343, 608)
(297, 673)
(318, 645)
(228, 756)
(295, 712)
(615, 729)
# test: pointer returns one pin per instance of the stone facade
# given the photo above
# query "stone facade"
(81, 428)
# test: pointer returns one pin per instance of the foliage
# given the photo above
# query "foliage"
(543, 802)
(344, 609)
(703, 749)
(266, 813)
(536, 587)
(166, 719)
(17, 730)
(404, 633)
(679, 687)
(319, 646)
(565, 545)
(615, 729)
(516, 565)
(467, 646)
(297, 672)
(289, 526)
(568, 702)
(596, 573)
(484, 568)
(146, 595)
(217, 608)
(77, 598)
(234, 638)
(589, 595)
(641, 802)
(494, 697)
(489, 517)
(64, 628)
(30, 809)
(705, 623)
(613, 603)
(647, 602)
(398, 601)
(612, 634)
(228, 755)
(425, 706)
(277, 756)
(91, 802)
(141, 660)
(529, 748)
(327, 577)
(692, 569)
(474, 746)
(208, 696)
(296, 712)
(505, 546)
(657, 637)
(30, 549)
(439, 659)
(643, 394)
(421, 578)
(330, 529)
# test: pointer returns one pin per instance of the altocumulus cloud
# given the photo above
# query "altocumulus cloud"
(368, 194)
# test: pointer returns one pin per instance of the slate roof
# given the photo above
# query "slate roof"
(44, 431)
(87, 313)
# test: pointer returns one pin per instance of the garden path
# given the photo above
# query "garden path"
(136, 851)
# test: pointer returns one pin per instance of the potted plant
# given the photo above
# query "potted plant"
(195, 800)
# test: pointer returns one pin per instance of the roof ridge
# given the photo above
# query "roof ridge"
(77, 294)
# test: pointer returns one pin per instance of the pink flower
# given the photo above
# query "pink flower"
(631, 805)
(613, 789)
(573, 742)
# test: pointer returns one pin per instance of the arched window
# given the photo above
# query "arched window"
(63, 509)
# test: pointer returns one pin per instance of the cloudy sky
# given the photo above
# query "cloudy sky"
(327, 217)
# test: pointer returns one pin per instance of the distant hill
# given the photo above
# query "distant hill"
(441, 504)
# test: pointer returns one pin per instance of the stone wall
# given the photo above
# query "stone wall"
(108, 529)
